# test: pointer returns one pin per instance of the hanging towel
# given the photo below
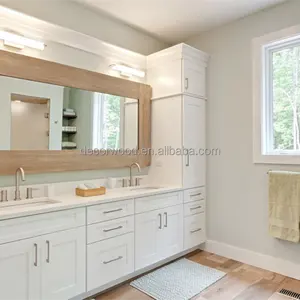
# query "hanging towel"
(284, 205)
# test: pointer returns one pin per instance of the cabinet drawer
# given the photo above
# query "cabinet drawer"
(194, 231)
(109, 260)
(149, 203)
(109, 211)
(26, 227)
(109, 229)
(193, 208)
(194, 194)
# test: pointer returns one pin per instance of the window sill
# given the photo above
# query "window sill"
(283, 159)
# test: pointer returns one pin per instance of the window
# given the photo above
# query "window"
(277, 100)
(107, 121)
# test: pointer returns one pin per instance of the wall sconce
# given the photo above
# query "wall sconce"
(19, 42)
(128, 71)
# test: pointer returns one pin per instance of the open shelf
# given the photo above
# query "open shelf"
(69, 117)
(69, 148)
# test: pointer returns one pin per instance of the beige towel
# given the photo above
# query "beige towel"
(284, 205)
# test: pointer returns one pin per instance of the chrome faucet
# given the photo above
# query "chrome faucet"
(133, 165)
(17, 180)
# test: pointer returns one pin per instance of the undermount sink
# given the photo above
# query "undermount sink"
(145, 188)
(26, 203)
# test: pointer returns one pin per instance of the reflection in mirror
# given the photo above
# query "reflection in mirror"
(25, 134)
(99, 121)
(39, 116)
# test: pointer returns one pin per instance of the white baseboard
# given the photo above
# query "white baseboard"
(270, 263)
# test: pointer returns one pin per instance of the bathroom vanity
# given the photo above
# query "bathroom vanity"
(77, 247)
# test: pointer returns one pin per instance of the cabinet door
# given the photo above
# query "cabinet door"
(172, 231)
(63, 264)
(148, 238)
(194, 163)
(194, 79)
(19, 270)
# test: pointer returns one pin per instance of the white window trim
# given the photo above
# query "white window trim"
(273, 41)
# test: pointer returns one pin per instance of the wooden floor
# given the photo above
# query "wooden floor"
(242, 282)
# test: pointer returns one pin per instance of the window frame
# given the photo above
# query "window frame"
(263, 48)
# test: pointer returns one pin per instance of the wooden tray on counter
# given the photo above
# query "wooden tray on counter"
(91, 192)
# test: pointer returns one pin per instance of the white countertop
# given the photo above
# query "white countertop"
(69, 201)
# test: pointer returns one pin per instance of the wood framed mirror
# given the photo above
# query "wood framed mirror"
(57, 118)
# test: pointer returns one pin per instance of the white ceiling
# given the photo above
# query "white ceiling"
(176, 20)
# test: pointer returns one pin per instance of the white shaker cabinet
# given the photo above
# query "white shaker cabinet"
(148, 238)
(158, 235)
(63, 264)
(46, 267)
(177, 70)
(19, 271)
(194, 142)
(177, 77)
(183, 130)
(172, 241)
(193, 77)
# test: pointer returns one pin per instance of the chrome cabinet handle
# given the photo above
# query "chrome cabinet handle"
(48, 252)
(110, 261)
(35, 255)
(112, 211)
(193, 208)
(166, 222)
(112, 229)
(186, 83)
(195, 195)
(160, 221)
(196, 230)
(187, 160)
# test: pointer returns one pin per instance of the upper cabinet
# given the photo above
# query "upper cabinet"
(176, 70)
(193, 76)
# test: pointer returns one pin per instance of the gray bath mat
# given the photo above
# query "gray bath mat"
(180, 280)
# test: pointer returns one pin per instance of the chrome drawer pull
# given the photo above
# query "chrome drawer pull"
(112, 229)
(112, 211)
(186, 83)
(110, 261)
(193, 208)
(160, 221)
(48, 250)
(187, 164)
(166, 223)
(195, 195)
(35, 255)
(196, 230)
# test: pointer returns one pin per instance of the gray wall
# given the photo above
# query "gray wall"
(74, 16)
(237, 188)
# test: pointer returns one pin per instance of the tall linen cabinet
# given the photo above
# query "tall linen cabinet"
(178, 79)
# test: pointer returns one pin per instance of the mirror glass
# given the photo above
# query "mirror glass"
(39, 116)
